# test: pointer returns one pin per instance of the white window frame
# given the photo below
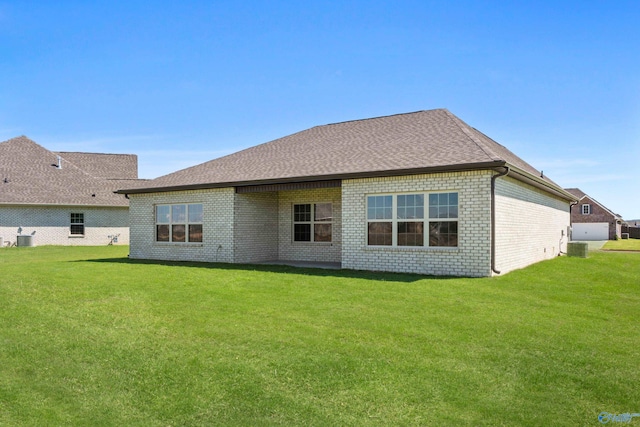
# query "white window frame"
(171, 222)
(426, 219)
(585, 209)
(72, 223)
(312, 223)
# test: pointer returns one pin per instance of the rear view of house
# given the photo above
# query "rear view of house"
(63, 198)
(590, 220)
(420, 192)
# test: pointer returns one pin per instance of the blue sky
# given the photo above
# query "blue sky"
(180, 83)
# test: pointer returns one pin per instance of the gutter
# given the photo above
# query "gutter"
(62, 205)
(540, 183)
(505, 172)
(329, 177)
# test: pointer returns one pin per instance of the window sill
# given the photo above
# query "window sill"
(189, 244)
(76, 236)
(448, 249)
(313, 243)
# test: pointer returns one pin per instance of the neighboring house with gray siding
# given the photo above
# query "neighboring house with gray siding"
(63, 198)
(591, 220)
(420, 192)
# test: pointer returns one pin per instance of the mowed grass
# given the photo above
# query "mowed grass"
(623, 245)
(88, 337)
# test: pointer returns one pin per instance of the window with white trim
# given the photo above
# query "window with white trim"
(76, 227)
(399, 219)
(180, 223)
(312, 222)
(586, 209)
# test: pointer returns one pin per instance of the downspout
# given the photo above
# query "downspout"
(572, 205)
(569, 237)
(493, 217)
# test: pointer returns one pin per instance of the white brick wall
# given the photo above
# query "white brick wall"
(241, 228)
(52, 224)
(472, 257)
(303, 251)
(217, 244)
(529, 225)
(256, 227)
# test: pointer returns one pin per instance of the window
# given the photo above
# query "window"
(586, 209)
(379, 216)
(410, 214)
(312, 222)
(77, 224)
(444, 208)
(399, 220)
(179, 223)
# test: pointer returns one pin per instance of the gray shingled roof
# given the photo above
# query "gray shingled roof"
(108, 166)
(399, 143)
(28, 175)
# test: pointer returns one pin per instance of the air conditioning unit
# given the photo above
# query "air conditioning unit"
(26, 240)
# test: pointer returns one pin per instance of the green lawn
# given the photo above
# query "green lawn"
(623, 245)
(88, 337)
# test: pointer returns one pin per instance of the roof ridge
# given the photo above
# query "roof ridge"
(90, 152)
(20, 137)
(381, 117)
(465, 129)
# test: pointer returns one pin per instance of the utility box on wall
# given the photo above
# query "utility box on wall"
(578, 249)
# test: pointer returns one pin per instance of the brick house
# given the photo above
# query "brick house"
(420, 192)
(590, 220)
(63, 198)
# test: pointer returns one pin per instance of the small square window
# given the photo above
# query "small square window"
(312, 222)
(380, 233)
(586, 209)
(302, 232)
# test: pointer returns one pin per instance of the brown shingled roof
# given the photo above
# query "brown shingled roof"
(29, 175)
(579, 194)
(576, 192)
(397, 144)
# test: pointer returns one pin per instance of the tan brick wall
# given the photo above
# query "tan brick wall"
(308, 251)
(470, 258)
(217, 244)
(52, 224)
(531, 225)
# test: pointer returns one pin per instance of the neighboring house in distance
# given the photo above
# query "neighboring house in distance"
(420, 192)
(63, 198)
(590, 220)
